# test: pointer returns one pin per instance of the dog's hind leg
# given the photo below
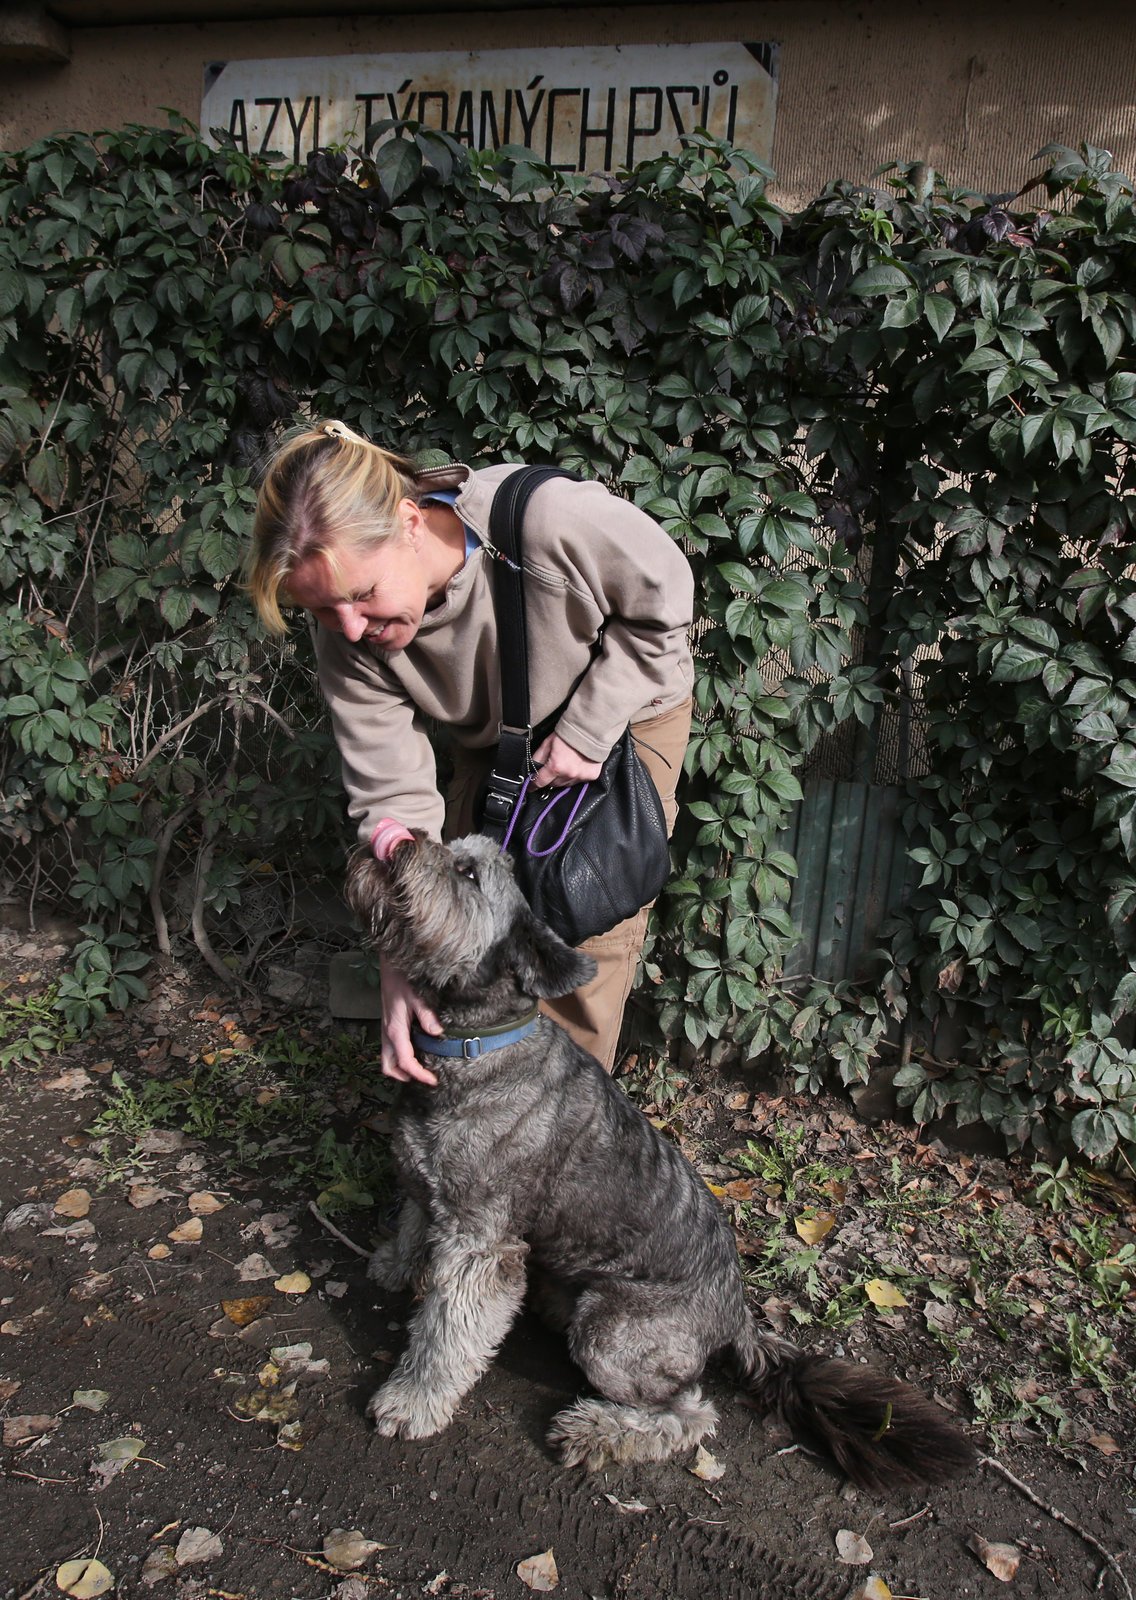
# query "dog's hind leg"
(401, 1262)
(476, 1289)
(643, 1355)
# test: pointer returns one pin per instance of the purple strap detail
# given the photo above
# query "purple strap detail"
(520, 800)
(534, 830)
(556, 799)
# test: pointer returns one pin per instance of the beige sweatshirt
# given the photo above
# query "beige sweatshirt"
(596, 568)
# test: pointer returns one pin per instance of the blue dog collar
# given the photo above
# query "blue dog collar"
(471, 1046)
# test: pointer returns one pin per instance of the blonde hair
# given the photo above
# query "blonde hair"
(326, 490)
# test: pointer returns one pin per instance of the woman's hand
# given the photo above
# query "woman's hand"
(558, 763)
(401, 1007)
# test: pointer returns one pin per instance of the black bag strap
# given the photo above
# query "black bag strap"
(514, 748)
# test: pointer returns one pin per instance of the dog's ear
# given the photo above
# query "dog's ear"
(544, 965)
(361, 886)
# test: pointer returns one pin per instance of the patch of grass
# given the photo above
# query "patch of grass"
(781, 1162)
(295, 1106)
(1086, 1352)
(1106, 1267)
(1004, 1400)
(31, 1028)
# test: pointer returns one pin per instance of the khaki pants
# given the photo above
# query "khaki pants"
(593, 1015)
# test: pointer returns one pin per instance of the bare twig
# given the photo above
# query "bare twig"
(270, 711)
(157, 910)
(172, 733)
(197, 921)
(1058, 1516)
(907, 1521)
(334, 1231)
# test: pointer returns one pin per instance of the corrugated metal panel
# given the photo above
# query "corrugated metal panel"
(853, 871)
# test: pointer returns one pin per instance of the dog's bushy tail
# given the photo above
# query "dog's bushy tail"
(882, 1433)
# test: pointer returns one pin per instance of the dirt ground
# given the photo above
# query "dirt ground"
(186, 1354)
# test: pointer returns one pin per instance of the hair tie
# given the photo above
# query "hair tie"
(338, 430)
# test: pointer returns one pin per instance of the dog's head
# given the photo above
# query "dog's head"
(453, 920)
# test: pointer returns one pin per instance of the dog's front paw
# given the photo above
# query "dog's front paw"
(401, 1411)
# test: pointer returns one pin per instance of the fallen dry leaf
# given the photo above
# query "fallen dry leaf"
(812, 1226)
(295, 1360)
(1105, 1443)
(253, 1268)
(293, 1283)
(75, 1203)
(852, 1548)
(884, 1295)
(872, 1588)
(90, 1399)
(161, 1141)
(127, 1448)
(72, 1081)
(347, 1548)
(187, 1232)
(159, 1565)
(141, 1195)
(19, 1430)
(196, 1545)
(159, 1252)
(84, 1579)
(625, 1506)
(8, 1387)
(539, 1572)
(203, 1204)
(242, 1312)
(1002, 1560)
(706, 1466)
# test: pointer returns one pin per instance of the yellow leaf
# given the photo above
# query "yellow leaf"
(159, 1252)
(242, 1312)
(714, 1188)
(203, 1203)
(84, 1579)
(75, 1203)
(813, 1225)
(884, 1295)
(187, 1232)
(872, 1588)
(293, 1283)
(539, 1572)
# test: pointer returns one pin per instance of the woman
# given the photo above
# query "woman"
(394, 565)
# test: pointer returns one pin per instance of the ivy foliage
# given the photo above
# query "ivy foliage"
(893, 432)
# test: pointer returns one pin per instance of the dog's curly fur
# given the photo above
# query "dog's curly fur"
(528, 1166)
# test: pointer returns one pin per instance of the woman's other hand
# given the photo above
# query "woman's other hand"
(558, 763)
(401, 1007)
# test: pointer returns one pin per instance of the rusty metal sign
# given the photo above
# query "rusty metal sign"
(592, 109)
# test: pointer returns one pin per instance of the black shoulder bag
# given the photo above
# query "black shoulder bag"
(589, 855)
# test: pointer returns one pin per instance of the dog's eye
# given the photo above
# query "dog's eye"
(466, 871)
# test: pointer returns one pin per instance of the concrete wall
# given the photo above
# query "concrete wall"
(974, 89)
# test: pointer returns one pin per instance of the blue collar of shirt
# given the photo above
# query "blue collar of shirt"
(449, 497)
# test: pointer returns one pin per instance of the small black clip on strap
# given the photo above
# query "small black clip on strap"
(513, 762)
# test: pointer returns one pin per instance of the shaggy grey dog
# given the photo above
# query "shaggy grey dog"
(526, 1165)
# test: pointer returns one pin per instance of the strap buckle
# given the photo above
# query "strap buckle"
(469, 1053)
(500, 797)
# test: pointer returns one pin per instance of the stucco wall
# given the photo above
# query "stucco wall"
(974, 89)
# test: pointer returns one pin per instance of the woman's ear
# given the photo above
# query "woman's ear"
(411, 521)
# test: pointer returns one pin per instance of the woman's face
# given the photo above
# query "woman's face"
(380, 594)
